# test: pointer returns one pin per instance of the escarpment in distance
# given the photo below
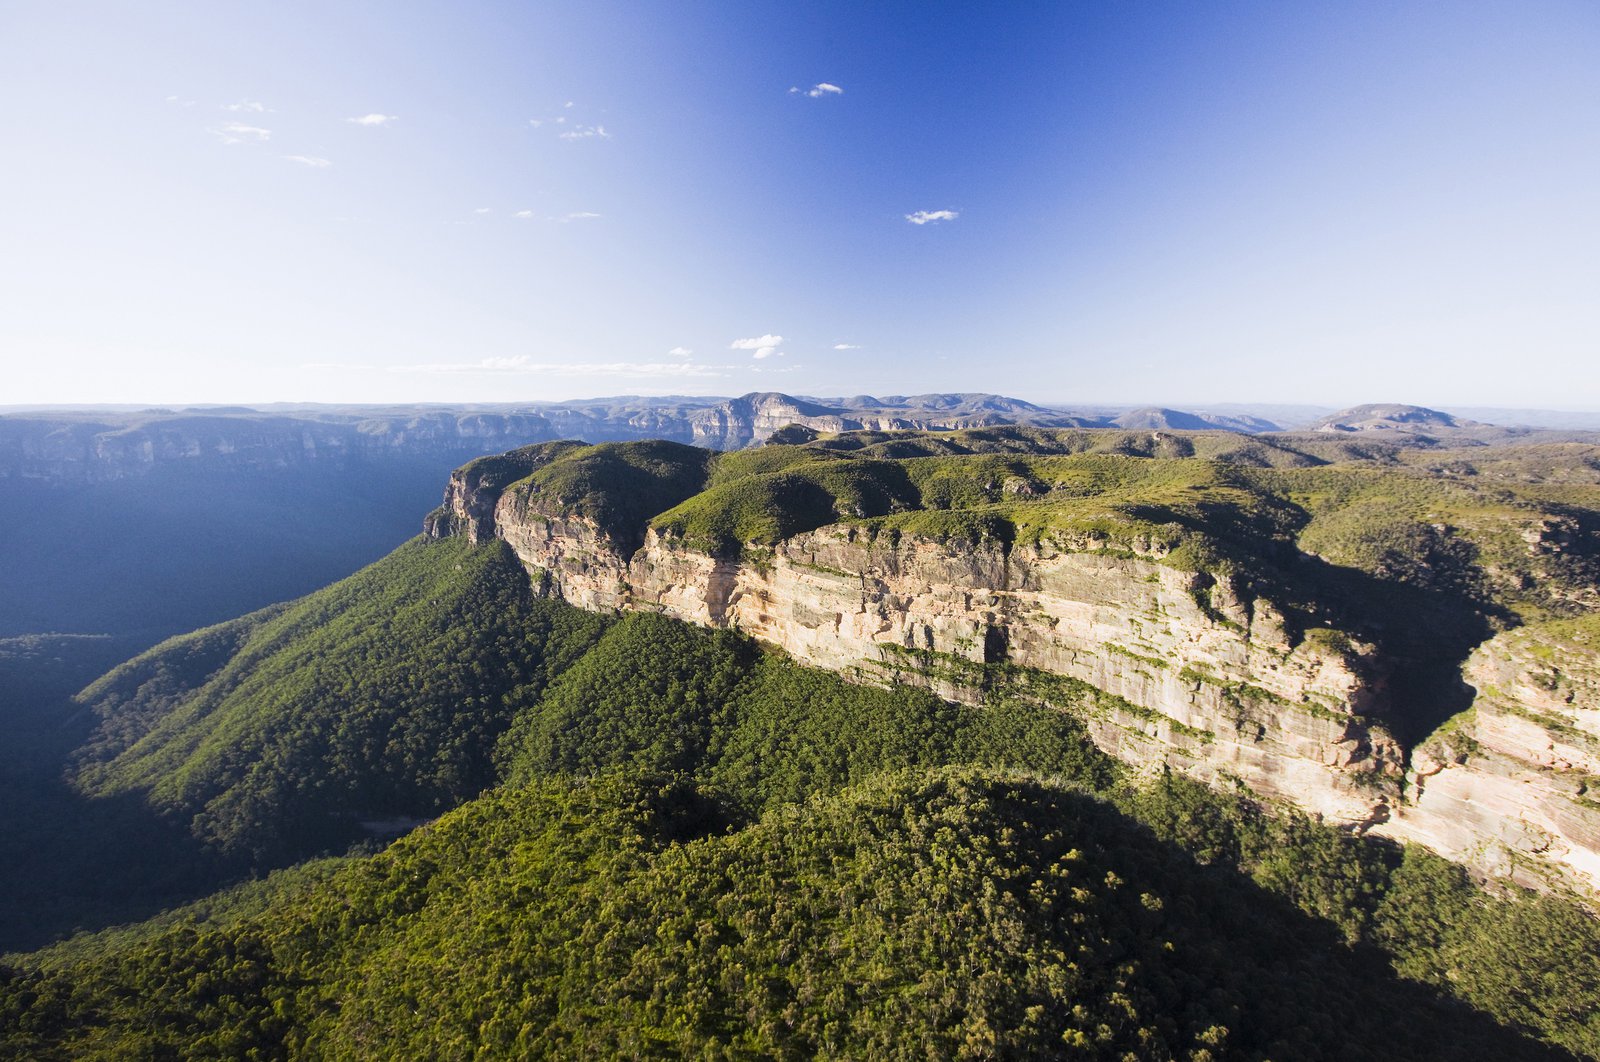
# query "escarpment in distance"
(1289, 620)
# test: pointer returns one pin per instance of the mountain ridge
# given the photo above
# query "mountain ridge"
(91, 445)
(1236, 634)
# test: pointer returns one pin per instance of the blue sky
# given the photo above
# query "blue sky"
(1136, 202)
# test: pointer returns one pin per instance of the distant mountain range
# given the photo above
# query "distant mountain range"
(102, 444)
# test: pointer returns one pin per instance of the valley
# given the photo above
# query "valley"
(1344, 684)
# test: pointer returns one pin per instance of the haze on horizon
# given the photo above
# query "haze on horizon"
(491, 202)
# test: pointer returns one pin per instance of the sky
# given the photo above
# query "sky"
(1176, 203)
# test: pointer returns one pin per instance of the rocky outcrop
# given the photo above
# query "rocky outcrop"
(1512, 787)
(1168, 668)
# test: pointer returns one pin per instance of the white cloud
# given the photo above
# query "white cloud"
(373, 119)
(818, 90)
(246, 106)
(761, 347)
(680, 352)
(924, 217)
(482, 210)
(524, 214)
(567, 105)
(847, 346)
(523, 365)
(309, 160)
(239, 133)
(580, 215)
(536, 122)
(585, 132)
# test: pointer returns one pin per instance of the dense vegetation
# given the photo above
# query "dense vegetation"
(668, 841)
(700, 845)
(380, 697)
(616, 485)
(952, 913)
(1419, 551)
(1460, 525)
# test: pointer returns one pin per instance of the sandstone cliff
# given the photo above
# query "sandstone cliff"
(1191, 675)
(1513, 785)
(1172, 664)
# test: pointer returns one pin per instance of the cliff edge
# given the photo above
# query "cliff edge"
(1164, 600)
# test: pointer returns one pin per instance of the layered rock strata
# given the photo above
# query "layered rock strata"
(1512, 787)
(1168, 668)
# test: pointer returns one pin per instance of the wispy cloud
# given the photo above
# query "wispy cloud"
(817, 91)
(180, 101)
(523, 365)
(239, 133)
(585, 132)
(373, 120)
(523, 214)
(761, 347)
(309, 160)
(580, 215)
(482, 210)
(680, 352)
(847, 346)
(926, 217)
(247, 107)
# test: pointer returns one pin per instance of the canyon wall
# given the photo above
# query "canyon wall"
(1169, 669)
(1512, 787)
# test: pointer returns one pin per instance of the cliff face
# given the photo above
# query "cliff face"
(1513, 786)
(1170, 667)
(1191, 676)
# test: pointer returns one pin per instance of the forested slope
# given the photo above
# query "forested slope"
(950, 914)
(671, 841)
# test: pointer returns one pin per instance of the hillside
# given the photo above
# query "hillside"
(1288, 617)
(948, 914)
(696, 844)
(625, 834)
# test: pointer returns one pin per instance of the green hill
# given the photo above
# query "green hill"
(945, 914)
(380, 697)
(656, 840)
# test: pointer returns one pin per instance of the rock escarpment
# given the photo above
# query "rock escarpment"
(1170, 668)
(1173, 661)
(1513, 785)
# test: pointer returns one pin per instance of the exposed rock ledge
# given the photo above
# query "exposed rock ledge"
(1512, 787)
(1190, 676)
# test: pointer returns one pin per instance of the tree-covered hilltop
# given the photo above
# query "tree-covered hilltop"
(690, 844)
(951, 913)
(656, 840)
(1422, 553)
(380, 697)
(1465, 525)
